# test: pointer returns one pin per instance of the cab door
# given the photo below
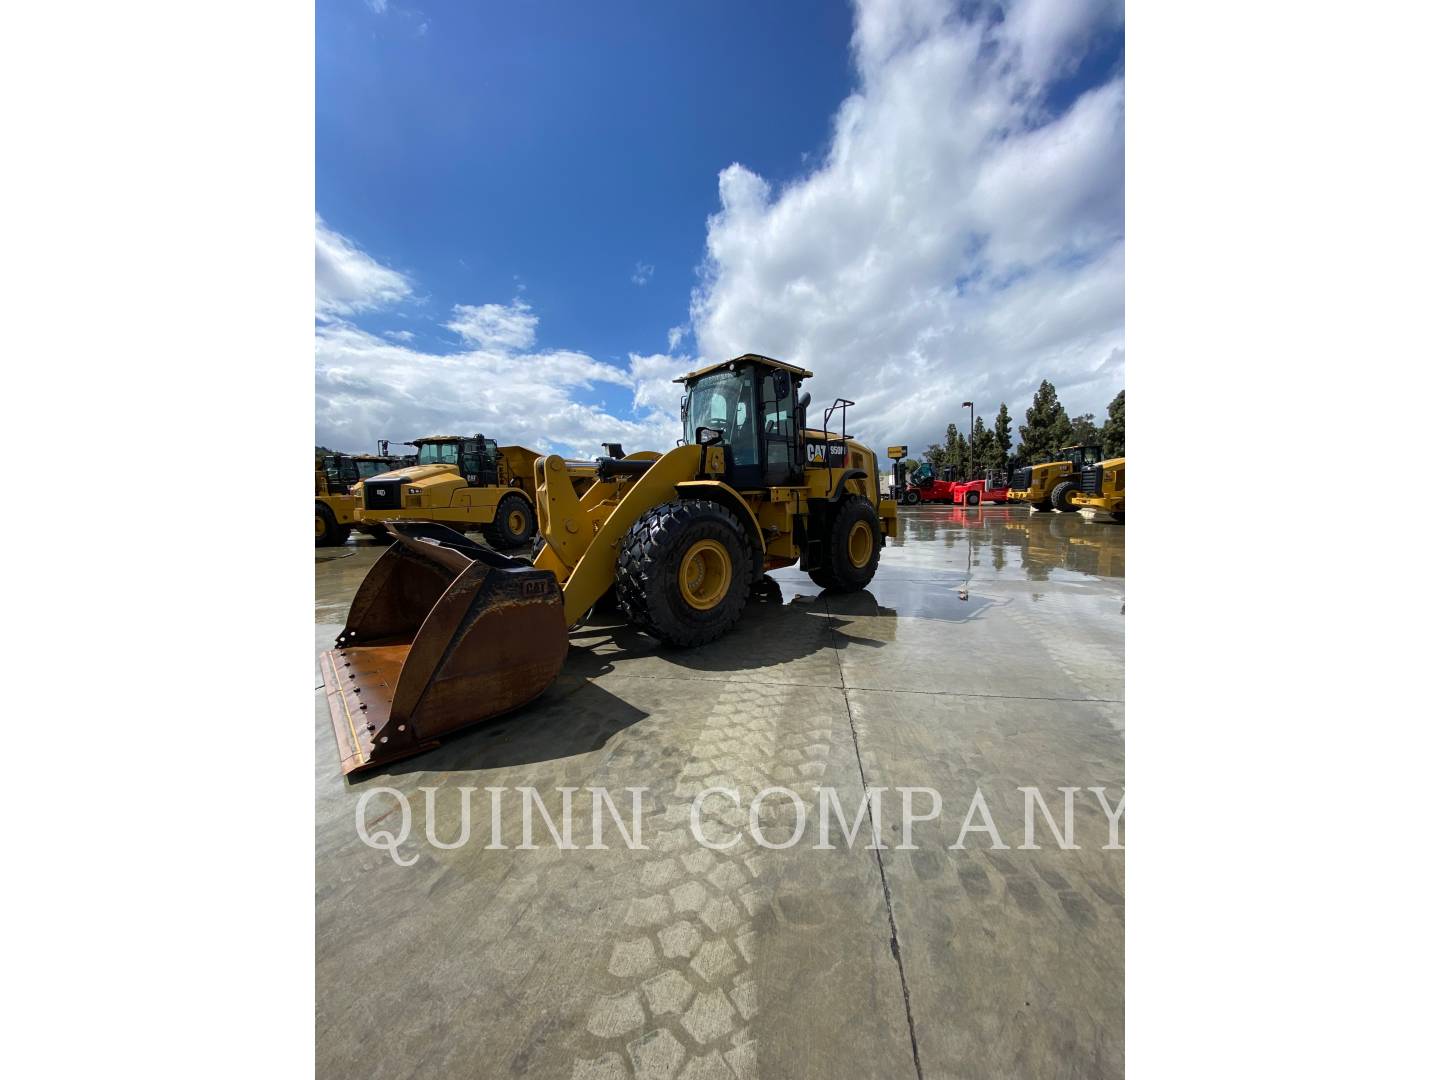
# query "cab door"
(470, 461)
(781, 451)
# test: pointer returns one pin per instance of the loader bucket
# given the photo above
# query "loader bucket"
(442, 633)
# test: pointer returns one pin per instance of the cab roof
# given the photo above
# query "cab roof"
(750, 358)
(442, 438)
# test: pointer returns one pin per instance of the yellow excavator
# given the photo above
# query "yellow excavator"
(444, 632)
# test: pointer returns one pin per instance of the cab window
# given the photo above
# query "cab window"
(721, 401)
(447, 453)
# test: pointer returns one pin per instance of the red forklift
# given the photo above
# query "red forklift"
(994, 488)
(925, 486)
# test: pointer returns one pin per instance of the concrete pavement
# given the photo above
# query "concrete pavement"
(987, 654)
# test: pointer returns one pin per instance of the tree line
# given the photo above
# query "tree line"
(1047, 428)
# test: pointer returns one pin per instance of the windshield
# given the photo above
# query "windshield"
(371, 468)
(444, 453)
(719, 401)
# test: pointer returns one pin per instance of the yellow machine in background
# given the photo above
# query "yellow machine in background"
(1036, 484)
(1100, 487)
(334, 508)
(465, 481)
(335, 475)
(443, 632)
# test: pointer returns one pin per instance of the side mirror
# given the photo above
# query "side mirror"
(708, 436)
(804, 401)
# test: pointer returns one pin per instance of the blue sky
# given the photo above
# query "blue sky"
(921, 203)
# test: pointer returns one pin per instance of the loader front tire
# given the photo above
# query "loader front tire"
(852, 549)
(911, 498)
(972, 498)
(328, 531)
(514, 524)
(1060, 497)
(684, 570)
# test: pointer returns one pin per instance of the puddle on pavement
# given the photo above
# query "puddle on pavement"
(949, 563)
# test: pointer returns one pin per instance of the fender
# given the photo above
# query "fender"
(849, 474)
(729, 498)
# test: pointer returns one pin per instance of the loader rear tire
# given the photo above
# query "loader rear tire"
(328, 531)
(1060, 497)
(684, 571)
(514, 524)
(852, 550)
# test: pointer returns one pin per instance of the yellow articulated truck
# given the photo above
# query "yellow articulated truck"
(444, 632)
(335, 476)
(1100, 487)
(465, 481)
(1036, 484)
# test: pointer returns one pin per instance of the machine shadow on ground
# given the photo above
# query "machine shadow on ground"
(577, 716)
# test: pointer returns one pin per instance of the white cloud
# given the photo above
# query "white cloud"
(495, 326)
(369, 388)
(643, 273)
(378, 6)
(957, 242)
(348, 281)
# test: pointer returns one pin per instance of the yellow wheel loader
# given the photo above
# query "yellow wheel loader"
(465, 481)
(444, 633)
(1100, 486)
(1036, 484)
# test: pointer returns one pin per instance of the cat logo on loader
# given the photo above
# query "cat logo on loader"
(444, 633)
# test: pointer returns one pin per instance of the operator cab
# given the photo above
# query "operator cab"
(340, 473)
(924, 475)
(753, 407)
(476, 457)
(1079, 457)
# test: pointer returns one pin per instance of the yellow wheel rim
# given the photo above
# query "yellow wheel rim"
(319, 526)
(516, 521)
(861, 544)
(705, 574)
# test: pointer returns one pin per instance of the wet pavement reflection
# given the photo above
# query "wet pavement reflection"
(986, 653)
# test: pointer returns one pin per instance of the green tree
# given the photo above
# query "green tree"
(1112, 435)
(954, 446)
(983, 450)
(1083, 431)
(935, 455)
(1003, 440)
(1046, 428)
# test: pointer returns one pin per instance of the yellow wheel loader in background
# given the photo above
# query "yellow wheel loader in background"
(465, 481)
(443, 633)
(1035, 484)
(1100, 486)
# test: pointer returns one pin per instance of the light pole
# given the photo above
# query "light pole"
(971, 452)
